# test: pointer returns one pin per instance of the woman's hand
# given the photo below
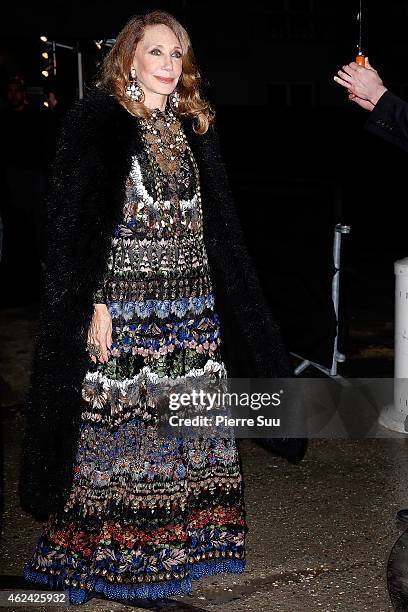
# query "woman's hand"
(100, 331)
(362, 83)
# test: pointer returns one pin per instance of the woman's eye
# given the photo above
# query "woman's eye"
(176, 54)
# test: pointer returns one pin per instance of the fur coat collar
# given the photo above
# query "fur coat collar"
(84, 202)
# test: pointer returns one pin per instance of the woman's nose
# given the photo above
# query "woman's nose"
(168, 63)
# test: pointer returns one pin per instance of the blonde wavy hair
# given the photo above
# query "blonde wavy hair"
(115, 70)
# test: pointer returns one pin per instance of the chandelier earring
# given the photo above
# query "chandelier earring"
(174, 100)
(133, 89)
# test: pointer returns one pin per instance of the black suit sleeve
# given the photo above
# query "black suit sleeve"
(389, 120)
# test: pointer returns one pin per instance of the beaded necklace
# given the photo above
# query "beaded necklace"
(165, 144)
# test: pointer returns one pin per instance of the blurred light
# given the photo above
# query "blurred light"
(44, 55)
(45, 73)
(104, 43)
(46, 103)
(43, 38)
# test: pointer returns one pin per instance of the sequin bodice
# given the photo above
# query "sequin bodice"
(160, 239)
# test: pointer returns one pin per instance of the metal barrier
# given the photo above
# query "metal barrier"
(338, 357)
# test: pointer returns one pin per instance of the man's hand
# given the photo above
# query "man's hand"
(100, 331)
(364, 84)
(366, 104)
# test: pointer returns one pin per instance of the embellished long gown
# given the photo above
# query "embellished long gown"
(147, 513)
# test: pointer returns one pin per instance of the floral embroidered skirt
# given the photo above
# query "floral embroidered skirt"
(147, 513)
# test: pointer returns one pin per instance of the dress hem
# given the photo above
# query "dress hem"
(128, 592)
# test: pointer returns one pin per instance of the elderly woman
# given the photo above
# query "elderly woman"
(146, 266)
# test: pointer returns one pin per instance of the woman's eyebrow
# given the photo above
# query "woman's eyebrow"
(158, 45)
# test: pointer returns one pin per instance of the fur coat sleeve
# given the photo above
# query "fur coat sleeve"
(59, 360)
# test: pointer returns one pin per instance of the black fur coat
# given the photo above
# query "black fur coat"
(84, 202)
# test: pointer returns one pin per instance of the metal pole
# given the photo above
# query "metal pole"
(64, 46)
(54, 58)
(338, 231)
(80, 75)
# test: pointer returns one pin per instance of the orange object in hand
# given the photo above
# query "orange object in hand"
(360, 60)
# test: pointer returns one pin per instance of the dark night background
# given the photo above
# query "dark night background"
(298, 157)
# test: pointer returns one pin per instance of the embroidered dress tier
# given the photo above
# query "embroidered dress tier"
(147, 513)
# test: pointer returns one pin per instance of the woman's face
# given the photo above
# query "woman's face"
(158, 60)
